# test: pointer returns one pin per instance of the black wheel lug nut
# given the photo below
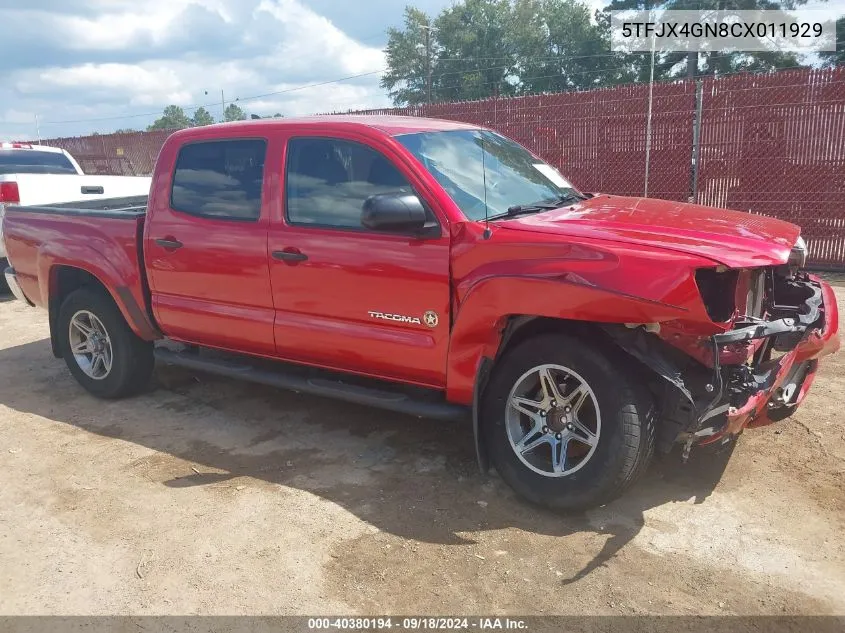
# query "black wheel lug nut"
(557, 436)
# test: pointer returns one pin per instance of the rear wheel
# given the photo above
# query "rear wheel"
(101, 351)
(565, 425)
(4, 287)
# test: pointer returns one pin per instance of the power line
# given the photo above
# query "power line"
(440, 75)
(209, 105)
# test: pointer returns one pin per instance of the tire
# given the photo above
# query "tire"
(615, 408)
(131, 357)
(4, 264)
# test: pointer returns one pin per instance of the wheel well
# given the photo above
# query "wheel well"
(665, 396)
(63, 281)
(520, 328)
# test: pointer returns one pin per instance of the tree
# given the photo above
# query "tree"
(202, 117)
(126, 130)
(278, 115)
(173, 118)
(233, 113)
(475, 50)
(407, 70)
(480, 48)
(557, 46)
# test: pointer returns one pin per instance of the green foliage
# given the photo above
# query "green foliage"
(173, 118)
(202, 117)
(480, 48)
(475, 50)
(559, 47)
(233, 113)
(498, 47)
(405, 78)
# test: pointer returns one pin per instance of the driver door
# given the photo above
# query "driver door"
(346, 297)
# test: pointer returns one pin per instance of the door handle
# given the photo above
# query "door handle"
(94, 190)
(290, 256)
(169, 243)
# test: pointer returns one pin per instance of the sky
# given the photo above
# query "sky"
(81, 66)
(85, 65)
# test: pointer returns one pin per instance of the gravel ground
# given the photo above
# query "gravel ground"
(210, 496)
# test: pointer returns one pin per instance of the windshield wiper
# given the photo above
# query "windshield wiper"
(534, 207)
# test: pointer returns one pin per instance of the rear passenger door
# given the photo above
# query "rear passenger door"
(206, 247)
(345, 296)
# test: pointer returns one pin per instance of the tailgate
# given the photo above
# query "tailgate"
(45, 189)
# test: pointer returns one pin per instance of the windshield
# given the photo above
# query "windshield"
(460, 159)
(27, 161)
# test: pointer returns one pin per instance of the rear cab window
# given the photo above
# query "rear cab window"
(220, 179)
(32, 161)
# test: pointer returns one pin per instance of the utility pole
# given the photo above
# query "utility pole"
(222, 105)
(37, 130)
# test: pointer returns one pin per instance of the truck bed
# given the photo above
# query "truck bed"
(99, 238)
(132, 206)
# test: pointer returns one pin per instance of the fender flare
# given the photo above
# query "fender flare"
(89, 260)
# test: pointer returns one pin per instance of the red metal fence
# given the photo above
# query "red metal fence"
(771, 144)
(129, 154)
(775, 144)
(596, 138)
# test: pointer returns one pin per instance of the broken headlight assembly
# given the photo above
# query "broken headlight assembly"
(798, 254)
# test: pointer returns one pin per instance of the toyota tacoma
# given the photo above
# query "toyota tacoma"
(441, 270)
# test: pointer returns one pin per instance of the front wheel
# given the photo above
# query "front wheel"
(101, 351)
(565, 425)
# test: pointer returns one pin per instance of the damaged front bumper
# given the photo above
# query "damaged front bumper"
(770, 386)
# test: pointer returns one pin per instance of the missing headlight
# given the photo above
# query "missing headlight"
(718, 291)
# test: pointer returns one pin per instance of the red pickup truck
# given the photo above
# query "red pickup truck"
(440, 270)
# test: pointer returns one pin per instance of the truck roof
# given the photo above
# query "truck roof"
(30, 146)
(389, 124)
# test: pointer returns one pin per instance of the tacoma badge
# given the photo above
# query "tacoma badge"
(399, 318)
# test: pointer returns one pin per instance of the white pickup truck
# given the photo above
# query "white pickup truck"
(41, 175)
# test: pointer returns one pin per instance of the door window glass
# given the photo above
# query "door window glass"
(328, 180)
(220, 179)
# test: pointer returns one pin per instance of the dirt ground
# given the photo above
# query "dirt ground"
(210, 496)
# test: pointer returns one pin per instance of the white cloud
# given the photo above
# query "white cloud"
(100, 67)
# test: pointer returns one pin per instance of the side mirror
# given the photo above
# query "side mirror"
(395, 212)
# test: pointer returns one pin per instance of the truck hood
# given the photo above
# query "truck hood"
(732, 238)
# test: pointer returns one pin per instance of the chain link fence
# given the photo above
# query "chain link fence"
(771, 144)
(125, 154)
